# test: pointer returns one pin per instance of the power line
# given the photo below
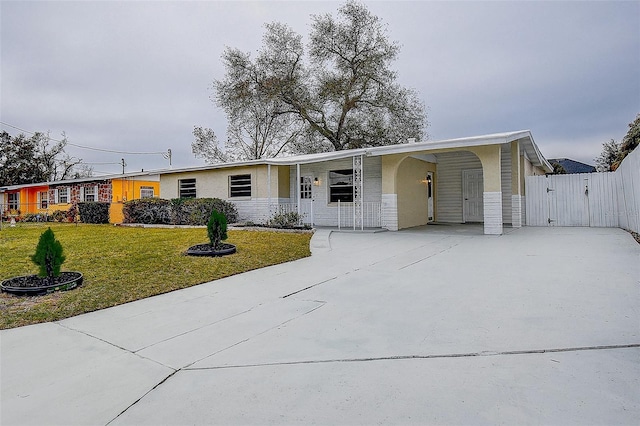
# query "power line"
(163, 153)
(95, 164)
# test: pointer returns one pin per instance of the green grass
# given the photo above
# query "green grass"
(123, 264)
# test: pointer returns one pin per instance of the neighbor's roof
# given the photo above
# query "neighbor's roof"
(524, 136)
(87, 179)
(573, 166)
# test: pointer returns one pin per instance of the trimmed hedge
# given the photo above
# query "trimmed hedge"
(148, 210)
(178, 211)
(93, 212)
(197, 211)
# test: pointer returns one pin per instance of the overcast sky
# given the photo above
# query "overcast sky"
(136, 76)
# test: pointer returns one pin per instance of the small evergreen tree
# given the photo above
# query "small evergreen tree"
(48, 256)
(217, 229)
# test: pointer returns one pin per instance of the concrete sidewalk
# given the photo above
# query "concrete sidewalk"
(434, 325)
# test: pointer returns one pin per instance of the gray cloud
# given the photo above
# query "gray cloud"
(136, 76)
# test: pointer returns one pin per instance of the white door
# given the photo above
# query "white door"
(306, 199)
(430, 190)
(472, 192)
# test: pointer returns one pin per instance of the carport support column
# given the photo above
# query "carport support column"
(389, 208)
(492, 196)
(298, 195)
(516, 194)
(357, 192)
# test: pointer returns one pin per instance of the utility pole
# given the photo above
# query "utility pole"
(123, 165)
(167, 156)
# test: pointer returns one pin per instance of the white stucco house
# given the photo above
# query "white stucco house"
(476, 179)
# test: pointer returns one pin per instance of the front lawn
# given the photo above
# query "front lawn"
(123, 264)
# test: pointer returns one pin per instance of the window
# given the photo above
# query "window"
(305, 187)
(146, 192)
(240, 186)
(187, 188)
(43, 199)
(14, 201)
(63, 195)
(341, 186)
(90, 193)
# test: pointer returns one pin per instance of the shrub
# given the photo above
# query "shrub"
(178, 211)
(33, 217)
(92, 212)
(197, 211)
(217, 229)
(72, 213)
(48, 255)
(285, 220)
(148, 210)
(58, 216)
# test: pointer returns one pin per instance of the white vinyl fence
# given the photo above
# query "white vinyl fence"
(588, 199)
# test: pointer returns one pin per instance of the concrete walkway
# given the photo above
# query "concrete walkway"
(435, 325)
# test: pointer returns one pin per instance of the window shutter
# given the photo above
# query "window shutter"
(55, 196)
(95, 194)
(38, 199)
(82, 194)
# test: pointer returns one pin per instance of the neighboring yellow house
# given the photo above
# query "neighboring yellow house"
(478, 179)
(45, 198)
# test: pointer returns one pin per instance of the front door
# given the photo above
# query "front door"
(472, 192)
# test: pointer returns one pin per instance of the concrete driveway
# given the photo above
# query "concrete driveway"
(435, 325)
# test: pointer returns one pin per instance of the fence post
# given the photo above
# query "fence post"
(338, 214)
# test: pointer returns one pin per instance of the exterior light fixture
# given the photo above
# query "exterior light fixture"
(316, 182)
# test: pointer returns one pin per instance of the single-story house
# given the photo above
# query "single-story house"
(44, 198)
(476, 179)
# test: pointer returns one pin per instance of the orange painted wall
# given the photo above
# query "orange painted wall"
(123, 190)
(127, 189)
(29, 199)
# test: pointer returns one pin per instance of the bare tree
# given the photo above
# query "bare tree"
(345, 95)
(206, 146)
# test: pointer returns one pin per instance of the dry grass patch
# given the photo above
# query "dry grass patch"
(123, 264)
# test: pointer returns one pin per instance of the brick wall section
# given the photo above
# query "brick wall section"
(104, 192)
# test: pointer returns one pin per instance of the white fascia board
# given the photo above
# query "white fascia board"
(418, 147)
(494, 139)
(538, 155)
(212, 167)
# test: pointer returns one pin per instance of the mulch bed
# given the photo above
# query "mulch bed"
(207, 250)
(33, 284)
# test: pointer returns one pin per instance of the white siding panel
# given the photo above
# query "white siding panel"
(390, 211)
(492, 213)
(449, 183)
(516, 210)
(255, 210)
(505, 183)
